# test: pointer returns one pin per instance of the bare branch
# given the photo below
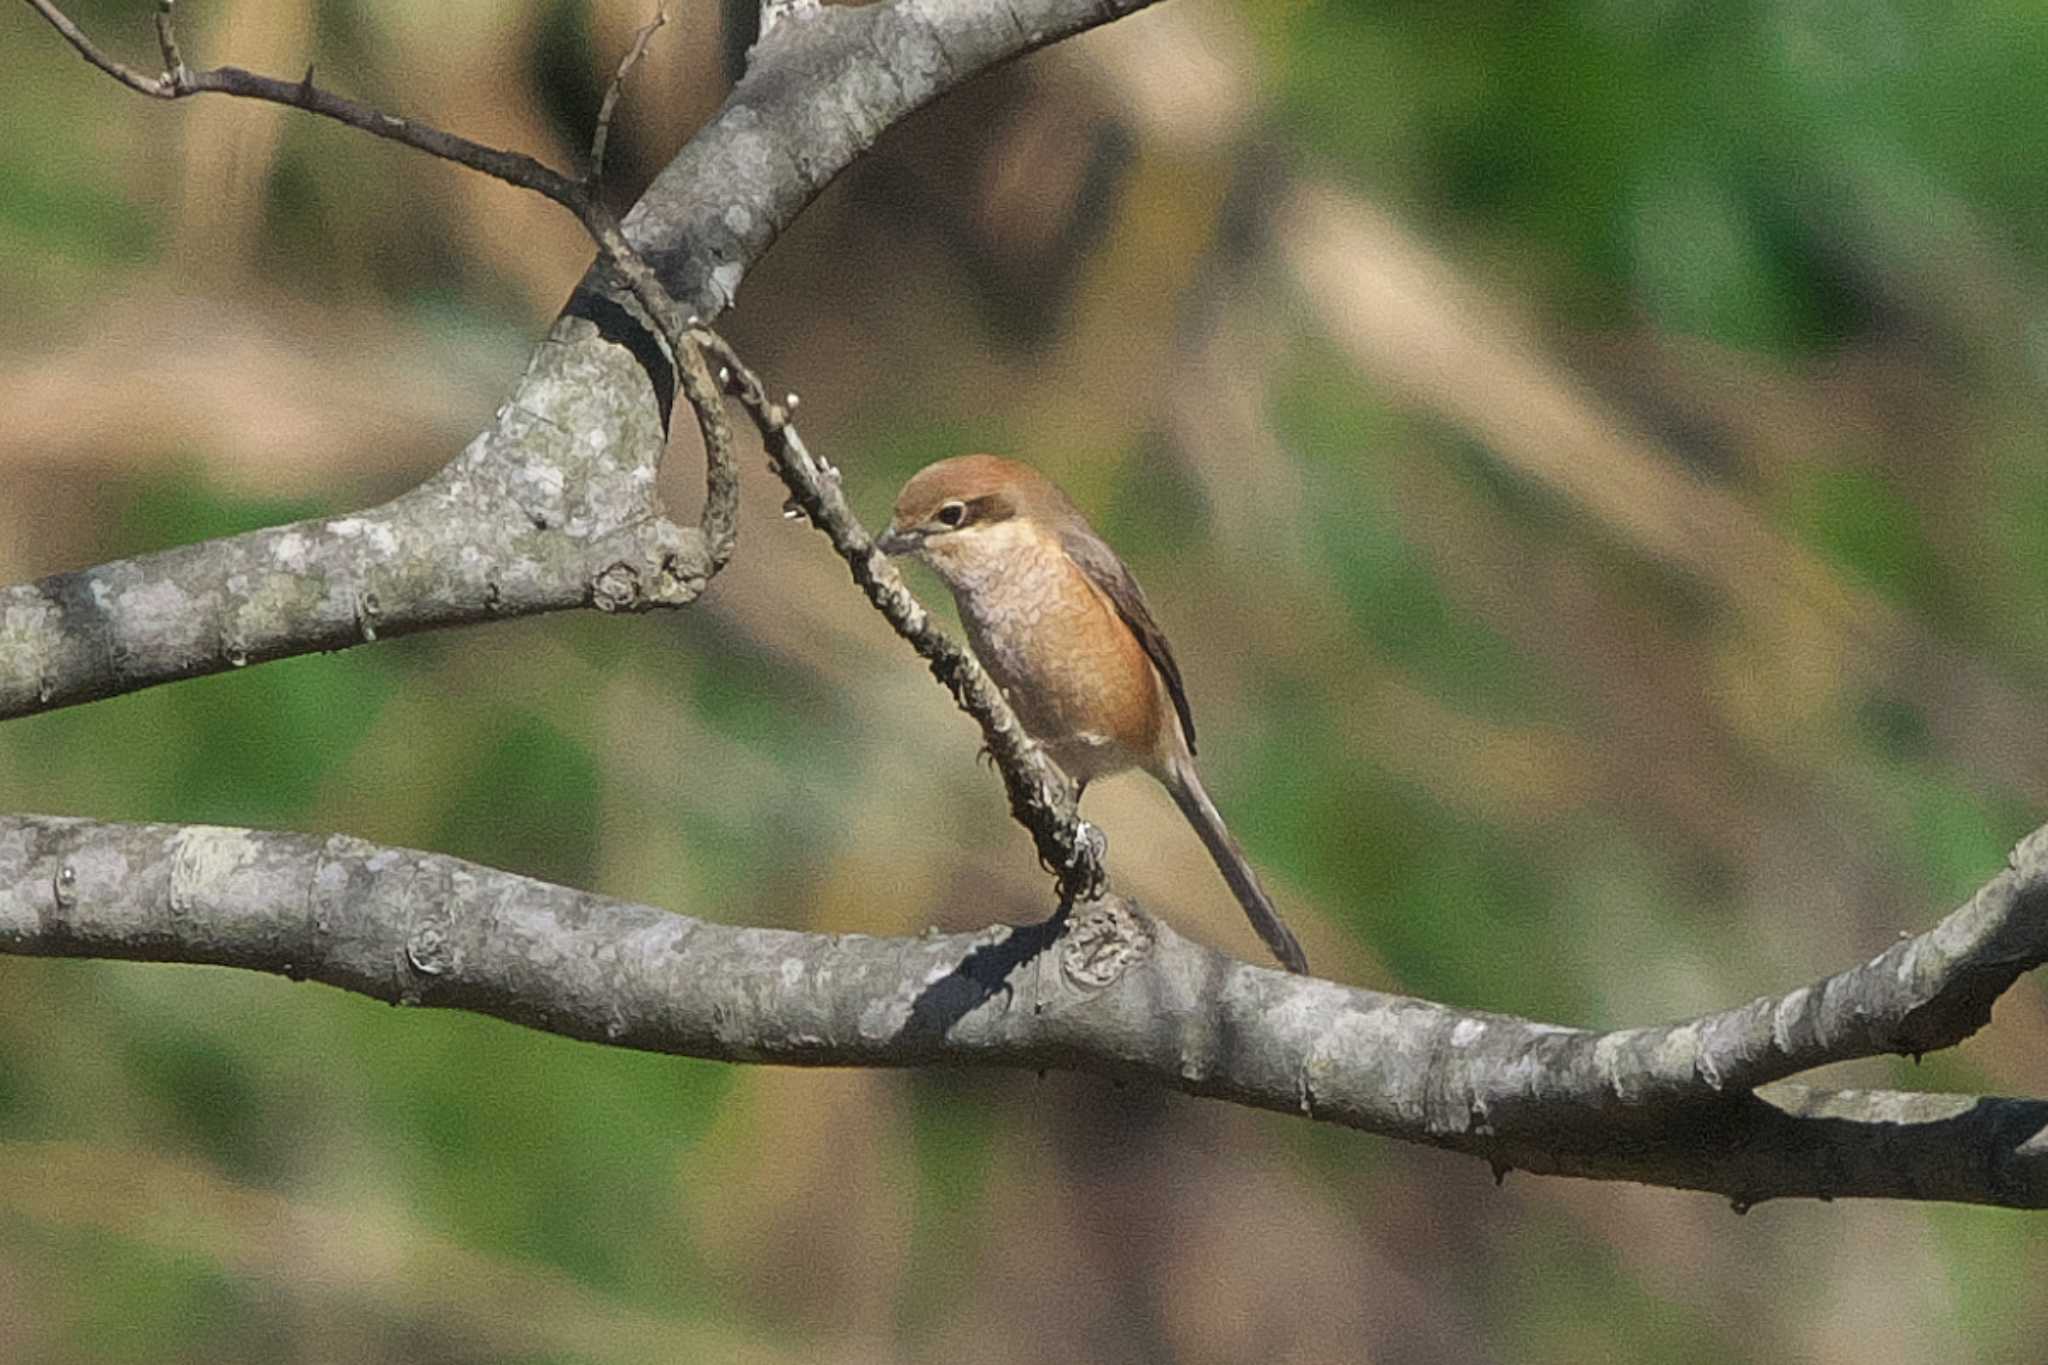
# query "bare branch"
(785, 130)
(719, 523)
(179, 82)
(553, 509)
(127, 75)
(1117, 994)
(167, 43)
(634, 53)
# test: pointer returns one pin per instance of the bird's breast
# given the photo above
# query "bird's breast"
(1077, 677)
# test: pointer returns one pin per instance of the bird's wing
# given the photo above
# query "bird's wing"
(1108, 572)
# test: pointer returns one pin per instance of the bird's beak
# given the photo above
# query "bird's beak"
(895, 541)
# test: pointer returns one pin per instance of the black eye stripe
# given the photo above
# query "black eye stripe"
(991, 507)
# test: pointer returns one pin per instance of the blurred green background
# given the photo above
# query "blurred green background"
(1581, 452)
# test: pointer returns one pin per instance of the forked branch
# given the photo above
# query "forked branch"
(1040, 797)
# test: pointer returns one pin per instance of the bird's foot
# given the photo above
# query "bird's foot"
(1091, 848)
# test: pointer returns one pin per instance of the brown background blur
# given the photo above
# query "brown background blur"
(1587, 458)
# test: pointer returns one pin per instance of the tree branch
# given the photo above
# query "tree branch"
(552, 508)
(572, 448)
(1117, 994)
(636, 50)
(179, 81)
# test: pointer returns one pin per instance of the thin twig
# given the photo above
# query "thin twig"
(167, 42)
(720, 518)
(602, 135)
(180, 82)
(127, 75)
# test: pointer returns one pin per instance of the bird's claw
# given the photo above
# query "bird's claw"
(1090, 848)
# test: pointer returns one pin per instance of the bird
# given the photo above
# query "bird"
(1058, 621)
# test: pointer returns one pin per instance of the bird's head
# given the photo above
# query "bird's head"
(966, 510)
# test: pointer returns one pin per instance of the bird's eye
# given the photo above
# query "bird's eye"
(953, 513)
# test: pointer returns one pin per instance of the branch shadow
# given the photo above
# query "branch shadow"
(618, 326)
(980, 976)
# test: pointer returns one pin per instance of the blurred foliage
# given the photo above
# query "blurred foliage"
(1726, 692)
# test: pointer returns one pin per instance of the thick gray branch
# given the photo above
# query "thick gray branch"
(553, 507)
(1113, 992)
(820, 88)
(573, 450)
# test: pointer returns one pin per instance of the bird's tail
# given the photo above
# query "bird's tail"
(1194, 803)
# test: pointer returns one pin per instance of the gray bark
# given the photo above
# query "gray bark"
(1114, 992)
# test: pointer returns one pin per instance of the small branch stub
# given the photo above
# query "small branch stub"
(617, 588)
(1104, 939)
